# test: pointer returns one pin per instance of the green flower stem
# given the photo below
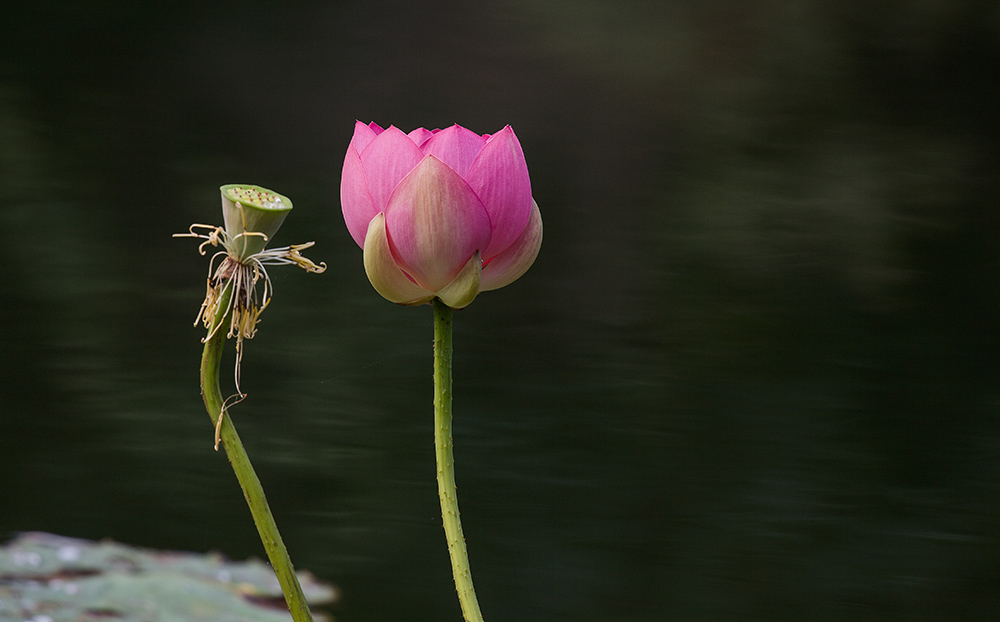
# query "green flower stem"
(446, 464)
(252, 490)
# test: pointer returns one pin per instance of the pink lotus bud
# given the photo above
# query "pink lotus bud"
(439, 213)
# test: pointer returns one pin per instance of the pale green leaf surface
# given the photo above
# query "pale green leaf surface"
(50, 578)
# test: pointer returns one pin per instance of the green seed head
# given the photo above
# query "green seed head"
(250, 211)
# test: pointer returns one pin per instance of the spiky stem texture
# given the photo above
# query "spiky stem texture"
(446, 463)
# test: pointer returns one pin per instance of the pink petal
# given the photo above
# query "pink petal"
(499, 177)
(420, 136)
(386, 160)
(455, 146)
(385, 276)
(435, 222)
(364, 134)
(509, 265)
(355, 200)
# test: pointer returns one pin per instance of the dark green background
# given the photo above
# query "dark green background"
(751, 376)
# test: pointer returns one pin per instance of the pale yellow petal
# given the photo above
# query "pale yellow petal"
(464, 288)
(385, 276)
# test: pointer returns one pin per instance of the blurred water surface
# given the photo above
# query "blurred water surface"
(752, 375)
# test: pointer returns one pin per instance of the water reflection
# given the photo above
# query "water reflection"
(751, 375)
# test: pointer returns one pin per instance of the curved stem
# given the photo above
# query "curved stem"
(252, 489)
(446, 464)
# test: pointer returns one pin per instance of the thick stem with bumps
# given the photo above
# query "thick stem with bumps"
(446, 464)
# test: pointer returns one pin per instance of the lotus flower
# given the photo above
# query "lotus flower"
(439, 213)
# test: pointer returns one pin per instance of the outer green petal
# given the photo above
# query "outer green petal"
(249, 209)
(385, 276)
(463, 290)
(509, 265)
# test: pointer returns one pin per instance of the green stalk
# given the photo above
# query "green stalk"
(446, 464)
(252, 489)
